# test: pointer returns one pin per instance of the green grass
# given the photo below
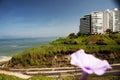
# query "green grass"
(92, 78)
(102, 46)
(8, 77)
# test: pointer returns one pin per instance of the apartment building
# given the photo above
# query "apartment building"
(85, 26)
(116, 20)
(107, 20)
(99, 22)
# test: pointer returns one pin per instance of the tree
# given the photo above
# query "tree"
(72, 35)
(79, 33)
(108, 31)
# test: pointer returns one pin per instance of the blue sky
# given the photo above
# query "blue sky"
(45, 18)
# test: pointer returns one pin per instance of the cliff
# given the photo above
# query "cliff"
(56, 53)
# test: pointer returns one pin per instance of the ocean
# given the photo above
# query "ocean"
(9, 47)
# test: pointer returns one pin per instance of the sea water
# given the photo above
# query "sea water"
(9, 47)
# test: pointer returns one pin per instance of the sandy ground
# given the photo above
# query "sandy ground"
(17, 74)
(4, 58)
(20, 75)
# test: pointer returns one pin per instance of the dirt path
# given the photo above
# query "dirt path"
(15, 74)
(52, 71)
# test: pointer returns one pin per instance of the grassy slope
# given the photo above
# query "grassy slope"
(56, 53)
(8, 77)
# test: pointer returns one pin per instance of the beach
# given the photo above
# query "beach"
(4, 58)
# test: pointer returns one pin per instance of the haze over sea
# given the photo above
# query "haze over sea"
(9, 47)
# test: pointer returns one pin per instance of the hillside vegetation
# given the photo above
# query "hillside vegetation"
(57, 53)
(8, 77)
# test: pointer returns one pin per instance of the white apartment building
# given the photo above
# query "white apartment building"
(97, 22)
(112, 20)
(116, 20)
(107, 20)
(101, 21)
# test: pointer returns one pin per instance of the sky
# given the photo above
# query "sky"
(46, 18)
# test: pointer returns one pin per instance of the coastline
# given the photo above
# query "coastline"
(12, 46)
(4, 58)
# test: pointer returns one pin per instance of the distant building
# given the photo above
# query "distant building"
(99, 22)
(116, 20)
(107, 20)
(85, 24)
(112, 20)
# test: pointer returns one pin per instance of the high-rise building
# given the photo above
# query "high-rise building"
(112, 20)
(116, 20)
(85, 24)
(107, 20)
(97, 22)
